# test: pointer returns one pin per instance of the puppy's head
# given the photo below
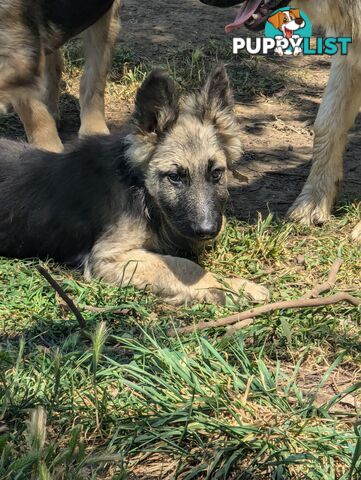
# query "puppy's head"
(184, 147)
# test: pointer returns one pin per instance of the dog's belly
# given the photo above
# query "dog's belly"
(68, 18)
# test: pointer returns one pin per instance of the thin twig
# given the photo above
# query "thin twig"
(71, 305)
(246, 318)
(298, 303)
(97, 310)
(105, 310)
(330, 282)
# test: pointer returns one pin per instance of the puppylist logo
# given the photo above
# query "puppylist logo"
(288, 31)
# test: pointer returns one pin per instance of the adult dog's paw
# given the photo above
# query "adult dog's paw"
(93, 126)
(308, 211)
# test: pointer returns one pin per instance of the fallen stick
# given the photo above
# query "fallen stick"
(330, 282)
(96, 310)
(243, 319)
(105, 310)
(69, 302)
(246, 318)
(298, 303)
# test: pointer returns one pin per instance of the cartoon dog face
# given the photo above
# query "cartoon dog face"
(287, 22)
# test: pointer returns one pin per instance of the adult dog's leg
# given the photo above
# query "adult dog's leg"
(22, 84)
(52, 77)
(39, 125)
(336, 116)
(177, 280)
(98, 40)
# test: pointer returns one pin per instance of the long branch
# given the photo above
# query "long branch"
(270, 307)
(300, 303)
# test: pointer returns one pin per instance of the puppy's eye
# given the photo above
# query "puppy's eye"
(174, 178)
(217, 174)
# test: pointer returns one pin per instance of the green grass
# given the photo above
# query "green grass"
(132, 402)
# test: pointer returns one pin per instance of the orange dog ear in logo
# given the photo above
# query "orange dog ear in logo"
(278, 19)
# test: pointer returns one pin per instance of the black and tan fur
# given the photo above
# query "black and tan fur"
(31, 32)
(127, 209)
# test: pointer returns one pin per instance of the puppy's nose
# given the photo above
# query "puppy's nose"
(206, 230)
(299, 21)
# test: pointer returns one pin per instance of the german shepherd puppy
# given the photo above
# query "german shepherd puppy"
(125, 208)
(340, 105)
(31, 32)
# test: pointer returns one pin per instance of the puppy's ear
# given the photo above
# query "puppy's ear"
(215, 104)
(156, 104)
(217, 91)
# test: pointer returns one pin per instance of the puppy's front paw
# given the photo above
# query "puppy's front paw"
(255, 292)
